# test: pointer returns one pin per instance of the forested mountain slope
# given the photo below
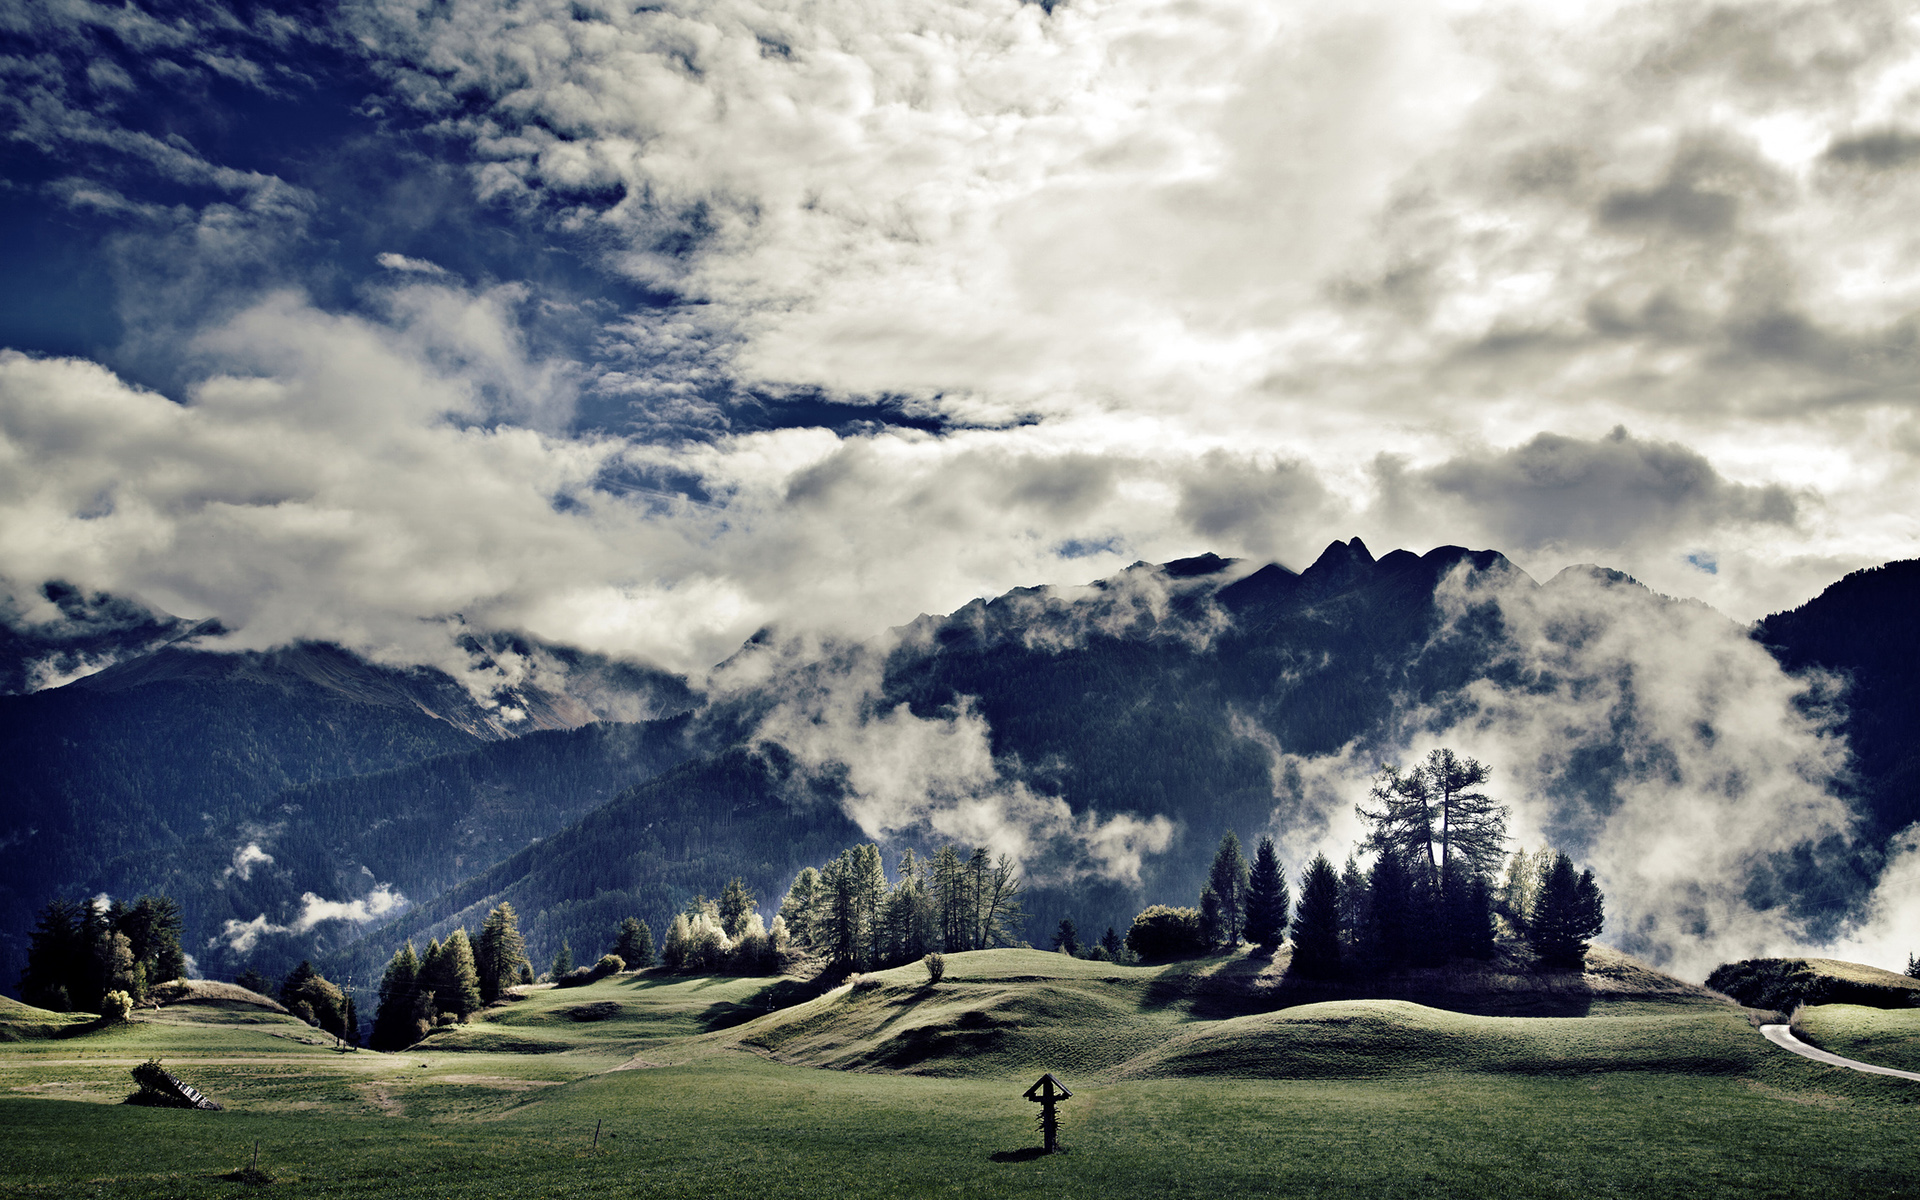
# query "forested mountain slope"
(1864, 630)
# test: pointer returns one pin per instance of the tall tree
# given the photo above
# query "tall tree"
(562, 960)
(396, 1022)
(801, 906)
(1316, 925)
(451, 976)
(1267, 899)
(1568, 913)
(57, 968)
(1435, 813)
(501, 950)
(1390, 912)
(1211, 922)
(1066, 938)
(1353, 909)
(1468, 914)
(735, 906)
(634, 943)
(1228, 879)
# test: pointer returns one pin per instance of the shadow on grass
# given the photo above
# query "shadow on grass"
(1025, 1155)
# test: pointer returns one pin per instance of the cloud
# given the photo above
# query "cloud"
(245, 859)
(904, 778)
(242, 936)
(411, 266)
(1599, 495)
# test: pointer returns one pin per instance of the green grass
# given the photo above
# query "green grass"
(1348, 1098)
(1881, 1036)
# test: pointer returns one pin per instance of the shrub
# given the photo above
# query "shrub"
(1163, 932)
(936, 968)
(609, 964)
(116, 1006)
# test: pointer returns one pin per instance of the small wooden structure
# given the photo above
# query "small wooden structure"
(1046, 1092)
(162, 1089)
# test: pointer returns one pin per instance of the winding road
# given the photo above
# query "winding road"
(1782, 1036)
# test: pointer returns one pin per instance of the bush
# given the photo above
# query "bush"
(936, 968)
(609, 964)
(116, 1006)
(1163, 932)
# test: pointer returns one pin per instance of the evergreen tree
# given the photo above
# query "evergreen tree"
(1267, 899)
(396, 1022)
(1468, 915)
(254, 981)
(1111, 943)
(1211, 921)
(634, 943)
(1434, 814)
(1066, 939)
(1567, 914)
(562, 961)
(1316, 924)
(1353, 910)
(57, 958)
(451, 977)
(801, 906)
(501, 950)
(1228, 881)
(735, 906)
(1390, 913)
(1913, 966)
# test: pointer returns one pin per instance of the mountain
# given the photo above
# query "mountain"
(1112, 732)
(138, 774)
(56, 633)
(1863, 631)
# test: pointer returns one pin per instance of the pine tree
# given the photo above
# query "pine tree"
(1211, 922)
(396, 1022)
(1228, 881)
(562, 961)
(1567, 914)
(1434, 814)
(451, 976)
(1110, 942)
(55, 975)
(1316, 925)
(634, 943)
(1468, 915)
(735, 906)
(1267, 899)
(1353, 910)
(501, 950)
(800, 906)
(1066, 939)
(1390, 912)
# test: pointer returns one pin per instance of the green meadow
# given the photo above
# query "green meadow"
(889, 1087)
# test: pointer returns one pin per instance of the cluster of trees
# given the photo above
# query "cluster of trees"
(82, 950)
(449, 981)
(1437, 841)
(850, 914)
(1109, 947)
(724, 936)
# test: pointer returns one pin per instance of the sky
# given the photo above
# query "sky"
(641, 328)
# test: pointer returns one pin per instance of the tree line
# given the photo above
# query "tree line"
(850, 914)
(1429, 896)
(81, 950)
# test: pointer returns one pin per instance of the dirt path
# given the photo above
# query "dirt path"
(1782, 1036)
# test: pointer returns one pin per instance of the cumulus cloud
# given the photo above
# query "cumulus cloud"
(242, 936)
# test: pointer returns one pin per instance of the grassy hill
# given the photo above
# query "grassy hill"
(649, 1084)
(1783, 984)
(1004, 1012)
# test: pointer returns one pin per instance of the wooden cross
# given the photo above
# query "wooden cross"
(1046, 1092)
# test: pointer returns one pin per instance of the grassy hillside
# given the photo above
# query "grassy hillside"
(1404, 1100)
(1782, 984)
(1003, 1012)
(1883, 1037)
